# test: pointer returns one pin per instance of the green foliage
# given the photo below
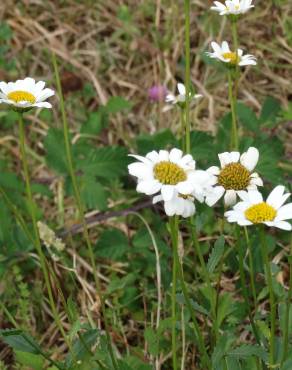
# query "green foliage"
(112, 244)
(216, 254)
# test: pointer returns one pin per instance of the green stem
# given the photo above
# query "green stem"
(81, 208)
(183, 125)
(269, 279)
(187, 8)
(233, 97)
(287, 313)
(202, 349)
(174, 239)
(232, 100)
(243, 285)
(205, 274)
(37, 241)
(251, 267)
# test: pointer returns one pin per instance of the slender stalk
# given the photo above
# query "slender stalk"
(232, 100)
(269, 279)
(233, 97)
(174, 240)
(81, 208)
(287, 313)
(243, 285)
(205, 274)
(202, 349)
(183, 125)
(37, 241)
(251, 267)
(187, 8)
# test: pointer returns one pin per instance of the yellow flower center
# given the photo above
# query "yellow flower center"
(234, 58)
(234, 176)
(18, 96)
(260, 212)
(169, 173)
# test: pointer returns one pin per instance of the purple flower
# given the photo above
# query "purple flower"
(157, 93)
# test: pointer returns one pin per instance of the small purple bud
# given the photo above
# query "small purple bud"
(157, 93)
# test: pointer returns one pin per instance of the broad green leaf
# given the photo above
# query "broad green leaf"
(216, 254)
(247, 117)
(93, 194)
(20, 341)
(134, 363)
(117, 104)
(248, 350)
(270, 110)
(95, 122)
(35, 362)
(112, 244)
(107, 162)
(287, 364)
(55, 150)
(152, 341)
(202, 146)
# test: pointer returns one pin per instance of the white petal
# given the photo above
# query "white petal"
(181, 89)
(275, 199)
(250, 158)
(255, 196)
(175, 155)
(140, 170)
(235, 156)
(169, 208)
(148, 187)
(163, 155)
(45, 94)
(156, 199)
(167, 192)
(213, 196)
(153, 156)
(185, 187)
(230, 197)
(214, 170)
(44, 104)
(283, 225)
(284, 213)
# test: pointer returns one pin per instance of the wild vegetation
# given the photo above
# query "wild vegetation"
(145, 178)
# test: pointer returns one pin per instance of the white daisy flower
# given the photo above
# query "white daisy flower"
(234, 7)
(235, 175)
(225, 55)
(170, 173)
(181, 97)
(25, 94)
(183, 205)
(253, 210)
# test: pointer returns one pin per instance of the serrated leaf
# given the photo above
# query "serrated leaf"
(216, 254)
(55, 150)
(248, 350)
(270, 111)
(202, 145)
(93, 194)
(95, 122)
(80, 346)
(20, 341)
(247, 117)
(112, 244)
(108, 162)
